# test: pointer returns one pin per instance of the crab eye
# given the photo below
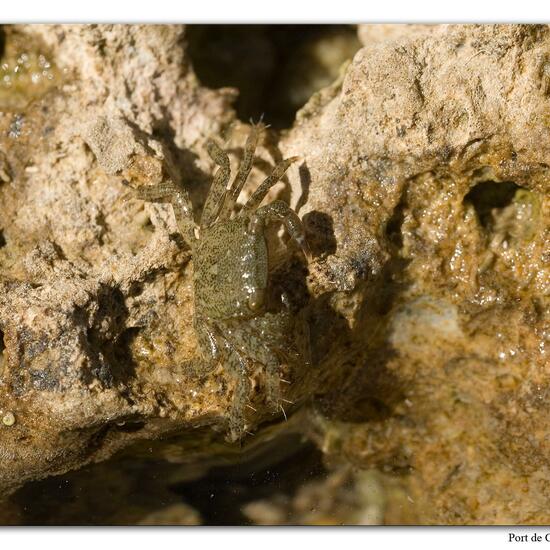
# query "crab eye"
(256, 299)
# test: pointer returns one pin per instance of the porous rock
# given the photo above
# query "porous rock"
(431, 160)
(423, 187)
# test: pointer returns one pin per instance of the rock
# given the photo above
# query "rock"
(96, 302)
(435, 141)
(423, 187)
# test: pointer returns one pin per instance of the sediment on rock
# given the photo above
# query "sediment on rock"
(423, 186)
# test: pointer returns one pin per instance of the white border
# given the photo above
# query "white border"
(279, 11)
(258, 538)
(274, 11)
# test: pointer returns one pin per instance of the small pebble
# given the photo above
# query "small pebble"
(8, 419)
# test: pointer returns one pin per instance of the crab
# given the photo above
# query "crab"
(230, 257)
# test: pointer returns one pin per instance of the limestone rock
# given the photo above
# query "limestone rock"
(423, 187)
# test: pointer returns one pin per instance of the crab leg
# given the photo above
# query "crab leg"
(280, 211)
(177, 196)
(206, 337)
(222, 349)
(237, 421)
(258, 195)
(243, 172)
(216, 195)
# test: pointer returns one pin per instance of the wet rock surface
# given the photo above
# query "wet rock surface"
(423, 187)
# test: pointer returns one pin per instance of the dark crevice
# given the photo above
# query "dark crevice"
(108, 342)
(395, 223)
(276, 68)
(222, 494)
(129, 426)
(319, 229)
(489, 195)
(2, 361)
(126, 489)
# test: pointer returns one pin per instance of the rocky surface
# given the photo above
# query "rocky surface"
(432, 160)
(423, 187)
